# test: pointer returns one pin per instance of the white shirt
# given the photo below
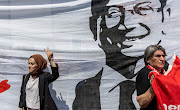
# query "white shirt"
(32, 93)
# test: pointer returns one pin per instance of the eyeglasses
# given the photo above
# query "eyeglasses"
(158, 56)
(113, 13)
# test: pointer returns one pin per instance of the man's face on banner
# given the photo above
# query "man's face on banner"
(122, 25)
(135, 20)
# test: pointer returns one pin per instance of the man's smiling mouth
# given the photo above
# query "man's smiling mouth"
(133, 38)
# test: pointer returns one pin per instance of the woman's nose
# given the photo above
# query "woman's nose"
(29, 65)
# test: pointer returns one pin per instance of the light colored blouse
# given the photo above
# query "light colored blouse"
(32, 93)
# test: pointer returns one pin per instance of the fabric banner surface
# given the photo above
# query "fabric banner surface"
(97, 44)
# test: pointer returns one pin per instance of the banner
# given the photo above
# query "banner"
(98, 45)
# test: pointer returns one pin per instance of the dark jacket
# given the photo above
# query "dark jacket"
(45, 78)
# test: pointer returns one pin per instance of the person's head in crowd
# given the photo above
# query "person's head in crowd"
(36, 64)
(154, 55)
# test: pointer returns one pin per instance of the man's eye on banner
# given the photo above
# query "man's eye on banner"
(4, 86)
(117, 26)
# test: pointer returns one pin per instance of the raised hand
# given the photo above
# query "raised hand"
(49, 54)
(50, 57)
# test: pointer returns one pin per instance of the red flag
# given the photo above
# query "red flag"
(4, 86)
(167, 87)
